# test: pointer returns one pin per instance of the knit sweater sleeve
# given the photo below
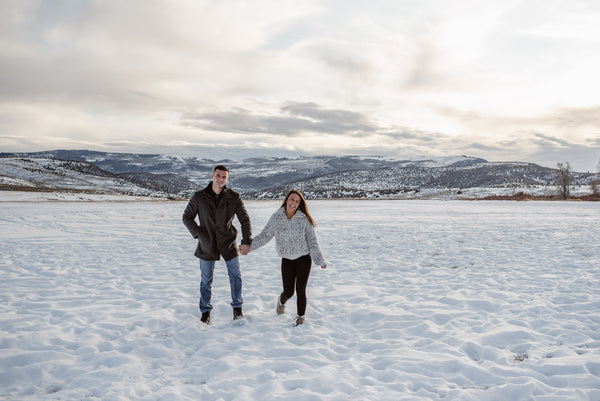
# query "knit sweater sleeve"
(313, 245)
(265, 235)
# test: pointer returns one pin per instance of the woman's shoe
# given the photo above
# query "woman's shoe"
(280, 307)
(299, 320)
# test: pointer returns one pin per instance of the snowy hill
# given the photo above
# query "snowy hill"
(271, 177)
(413, 179)
(50, 175)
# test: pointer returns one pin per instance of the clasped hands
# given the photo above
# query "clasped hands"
(244, 249)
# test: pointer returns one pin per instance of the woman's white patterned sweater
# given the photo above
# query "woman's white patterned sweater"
(294, 237)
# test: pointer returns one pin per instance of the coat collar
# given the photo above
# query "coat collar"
(208, 188)
(298, 215)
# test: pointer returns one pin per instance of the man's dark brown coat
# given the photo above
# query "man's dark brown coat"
(216, 233)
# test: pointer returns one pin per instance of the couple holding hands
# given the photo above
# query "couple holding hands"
(292, 226)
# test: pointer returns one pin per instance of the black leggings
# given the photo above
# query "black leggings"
(294, 273)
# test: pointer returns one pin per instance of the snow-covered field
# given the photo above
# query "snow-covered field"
(421, 300)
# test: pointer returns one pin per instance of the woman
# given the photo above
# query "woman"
(297, 245)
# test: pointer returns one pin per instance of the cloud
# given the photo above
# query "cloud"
(561, 124)
(502, 79)
(293, 119)
(546, 140)
(577, 117)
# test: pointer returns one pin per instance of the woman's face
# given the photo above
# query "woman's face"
(292, 203)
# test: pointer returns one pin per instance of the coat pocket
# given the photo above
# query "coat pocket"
(203, 238)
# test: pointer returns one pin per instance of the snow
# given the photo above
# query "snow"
(15, 181)
(421, 300)
(482, 192)
(50, 173)
(24, 196)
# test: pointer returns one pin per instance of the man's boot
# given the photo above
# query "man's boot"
(205, 317)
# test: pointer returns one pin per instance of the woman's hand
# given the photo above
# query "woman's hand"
(244, 249)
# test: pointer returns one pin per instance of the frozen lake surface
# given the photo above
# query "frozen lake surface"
(421, 300)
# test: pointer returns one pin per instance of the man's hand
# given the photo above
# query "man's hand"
(244, 249)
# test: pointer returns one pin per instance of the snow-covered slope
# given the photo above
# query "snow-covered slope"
(416, 178)
(271, 177)
(48, 175)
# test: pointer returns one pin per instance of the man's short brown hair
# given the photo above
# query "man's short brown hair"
(221, 167)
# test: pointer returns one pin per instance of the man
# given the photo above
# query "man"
(215, 206)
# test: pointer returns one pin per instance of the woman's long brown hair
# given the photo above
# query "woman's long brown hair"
(303, 208)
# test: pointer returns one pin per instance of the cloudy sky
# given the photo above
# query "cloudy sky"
(502, 80)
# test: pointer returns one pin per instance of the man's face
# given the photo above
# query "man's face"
(219, 178)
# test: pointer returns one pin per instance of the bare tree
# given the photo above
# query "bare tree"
(563, 180)
(595, 184)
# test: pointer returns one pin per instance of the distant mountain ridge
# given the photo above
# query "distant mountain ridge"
(267, 177)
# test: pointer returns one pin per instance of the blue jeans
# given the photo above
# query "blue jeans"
(207, 268)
